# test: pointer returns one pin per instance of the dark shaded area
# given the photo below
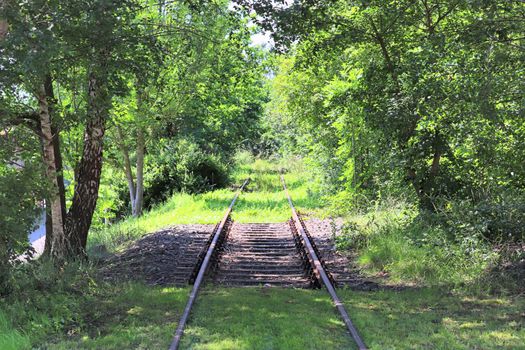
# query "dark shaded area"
(165, 257)
(509, 273)
(199, 174)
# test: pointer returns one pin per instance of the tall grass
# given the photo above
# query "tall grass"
(11, 339)
(394, 238)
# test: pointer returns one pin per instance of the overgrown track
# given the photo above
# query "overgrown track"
(262, 254)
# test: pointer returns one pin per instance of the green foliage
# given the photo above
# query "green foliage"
(496, 218)
(18, 189)
(182, 166)
(420, 248)
(74, 308)
(11, 339)
(202, 106)
(264, 201)
(406, 94)
(109, 199)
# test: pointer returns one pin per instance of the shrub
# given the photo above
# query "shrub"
(411, 246)
(243, 157)
(182, 166)
(18, 214)
(46, 301)
(497, 218)
(419, 252)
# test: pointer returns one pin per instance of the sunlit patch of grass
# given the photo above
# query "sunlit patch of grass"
(265, 318)
(263, 201)
(435, 319)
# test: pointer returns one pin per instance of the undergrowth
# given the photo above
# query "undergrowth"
(395, 239)
(73, 308)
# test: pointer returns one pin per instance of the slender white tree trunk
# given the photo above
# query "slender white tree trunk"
(58, 242)
(139, 194)
(127, 168)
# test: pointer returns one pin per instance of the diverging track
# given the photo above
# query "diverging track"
(261, 254)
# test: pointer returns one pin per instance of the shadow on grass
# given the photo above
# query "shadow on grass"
(129, 316)
(265, 318)
(436, 319)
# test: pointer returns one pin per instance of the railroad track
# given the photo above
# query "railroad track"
(259, 254)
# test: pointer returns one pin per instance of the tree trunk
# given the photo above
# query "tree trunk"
(58, 247)
(4, 26)
(48, 86)
(136, 189)
(4, 267)
(139, 195)
(85, 197)
(127, 169)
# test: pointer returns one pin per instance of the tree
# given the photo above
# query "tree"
(91, 41)
(207, 92)
(429, 79)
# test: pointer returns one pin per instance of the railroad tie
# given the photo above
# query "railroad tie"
(261, 254)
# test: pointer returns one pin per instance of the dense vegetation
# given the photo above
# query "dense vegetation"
(410, 103)
(427, 95)
(160, 93)
(74, 308)
(406, 119)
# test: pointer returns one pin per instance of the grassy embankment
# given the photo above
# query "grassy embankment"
(85, 313)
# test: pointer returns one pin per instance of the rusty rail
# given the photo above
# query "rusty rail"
(202, 271)
(320, 271)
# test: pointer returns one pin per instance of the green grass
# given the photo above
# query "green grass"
(395, 239)
(11, 339)
(72, 309)
(134, 316)
(437, 319)
(80, 312)
(139, 317)
(258, 318)
(265, 318)
(263, 201)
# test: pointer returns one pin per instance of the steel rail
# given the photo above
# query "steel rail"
(200, 276)
(324, 276)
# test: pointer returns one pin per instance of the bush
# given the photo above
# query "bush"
(200, 171)
(18, 214)
(182, 166)
(499, 218)
(420, 252)
(46, 301)
(243, 157)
